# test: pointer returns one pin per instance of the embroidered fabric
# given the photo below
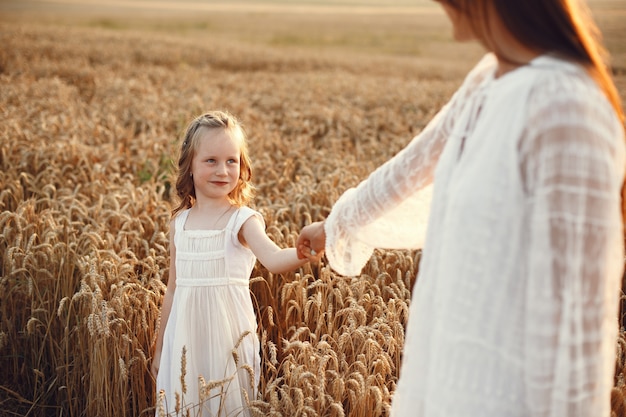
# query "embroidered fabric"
(515, 306)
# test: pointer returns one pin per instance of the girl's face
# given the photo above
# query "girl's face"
(461, 26)
(215, 165)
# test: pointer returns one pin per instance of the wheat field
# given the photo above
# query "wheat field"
(93, 104)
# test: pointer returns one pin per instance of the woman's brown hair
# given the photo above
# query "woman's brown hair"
(565, 27)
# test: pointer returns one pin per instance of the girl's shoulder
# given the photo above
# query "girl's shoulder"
(178, 220)
(242, 215)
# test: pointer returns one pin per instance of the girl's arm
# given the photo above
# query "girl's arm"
(167, 304)
(272, 257)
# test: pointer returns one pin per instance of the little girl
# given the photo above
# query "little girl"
(214, 243)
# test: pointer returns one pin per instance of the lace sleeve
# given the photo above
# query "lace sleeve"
(390, 208)
(356, 224)
(573, 166)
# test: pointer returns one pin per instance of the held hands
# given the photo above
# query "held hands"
(311, 242)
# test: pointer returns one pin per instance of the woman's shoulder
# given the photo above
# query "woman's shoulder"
(558, 84)
(482, 71)
(487, 63)
(563, 94)
(485, 68)
(553, 73)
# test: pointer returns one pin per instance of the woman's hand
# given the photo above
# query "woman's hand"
(311, 242)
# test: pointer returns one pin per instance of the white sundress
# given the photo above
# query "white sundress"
(211, 310)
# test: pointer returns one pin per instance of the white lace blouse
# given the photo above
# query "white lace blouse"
(514, 312)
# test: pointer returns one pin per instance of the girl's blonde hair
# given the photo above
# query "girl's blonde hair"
(244, 190)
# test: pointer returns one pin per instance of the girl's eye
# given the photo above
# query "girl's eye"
(211, 160)
(233, 161)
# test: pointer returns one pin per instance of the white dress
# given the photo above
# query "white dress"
(211, 310)
(514, 312)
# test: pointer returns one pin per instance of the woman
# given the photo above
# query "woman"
(514, 312)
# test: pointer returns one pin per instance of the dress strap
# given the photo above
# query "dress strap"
(239, 218)
(179, 225)
(181, 219)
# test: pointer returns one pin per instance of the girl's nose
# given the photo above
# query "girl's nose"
(221, 169)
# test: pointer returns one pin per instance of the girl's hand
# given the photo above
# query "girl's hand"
(311, 255)
(311, 242)
(154, 367)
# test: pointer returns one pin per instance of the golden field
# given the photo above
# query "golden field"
(94, 100)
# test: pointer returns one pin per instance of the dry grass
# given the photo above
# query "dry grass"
(91, 118)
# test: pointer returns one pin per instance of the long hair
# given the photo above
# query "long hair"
(565, 27)
(244, 190)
